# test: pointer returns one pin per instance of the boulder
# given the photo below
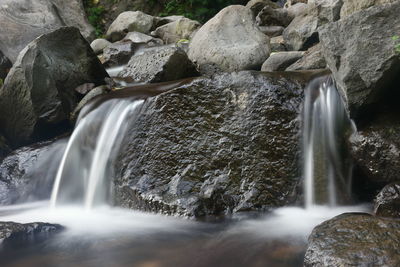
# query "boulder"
(302, 32)
(159, 64)
(362, 77)
(297, 9)
(277, 44)
(27, 174)
(5, 66)
(271, 31)
(376, 149)
(129, 21)
(39, 91)
(99, 45)
(269, 16)
(230, 41)
(217, 145)
(182, 29)
(23, 20)
(118, 53)
(352, 6)
(311, 60)
(387, 202)
(160, 21)
(281, 60)
(139, 38)
(354, 240)
(14, 235)
(257, 5)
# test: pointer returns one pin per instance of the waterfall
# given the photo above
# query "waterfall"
(326, 127)
(85, 172)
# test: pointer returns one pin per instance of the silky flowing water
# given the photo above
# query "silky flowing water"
(98, 234)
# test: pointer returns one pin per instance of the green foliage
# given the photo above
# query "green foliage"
(95, 13)
(396, 40)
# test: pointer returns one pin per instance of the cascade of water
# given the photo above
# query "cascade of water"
(87, 164)
(326, 126)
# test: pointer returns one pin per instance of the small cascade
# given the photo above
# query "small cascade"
(86, 168)
(326, 127)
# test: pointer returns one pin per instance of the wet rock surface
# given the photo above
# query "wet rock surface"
(27, 173)
(159, 64)
(387, 202)
(16, 234)
(230, 41)
(354, 240)
(39, 92)
(363, 65)
(217, 145)
(24, 20)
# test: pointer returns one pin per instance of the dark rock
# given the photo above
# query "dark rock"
(159, 64)
(182, 29)
(271, 31)
(27, 173)
(311, 60)
(354, 240)
(100, 90)
(277, 44)
(118, 53)
(230, 41)
(376, 149)
(5, 66)
(16, 234)
(257, 5)
(23, 20)
(39, 92)
(269, 16)
(4, 148)
(360, 52)
(217, 145)
(281, 60)
(387, 202)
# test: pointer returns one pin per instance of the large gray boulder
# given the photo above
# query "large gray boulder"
(23, 20)
(178, 30)
(302, 32)
(354, 240)
(311, 60)
(27, 174)
(360, 52)
(159, 64)
(281, 60)
(129, 21)
(230, 41)
(387, 202)
(38, 94)
(353, 6)
(217, 145)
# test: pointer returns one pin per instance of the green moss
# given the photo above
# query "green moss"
(396, 40)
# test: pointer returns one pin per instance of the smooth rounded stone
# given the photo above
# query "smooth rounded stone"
(376, 149)
(181, 29)
(217, 145)
(159, 64)
(129, 21)
(297, 9)
(353, 6)
(27, 174)
(5, 66)
(15, 235)
(387, 202)
(354, 240)
(141, 38)
(39, 92)
(271, 31)
(303, 32)
(23, 20)
(278, 44)
(230, 41)
(118, 53)
(281, 60)
(100, 90)
(99, 45)
(311, 60)
(362, 77)
(160, 21)
(269, 16)
(257, 5)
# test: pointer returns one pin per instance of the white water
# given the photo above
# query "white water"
(325, 125)
(86, 169)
